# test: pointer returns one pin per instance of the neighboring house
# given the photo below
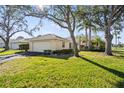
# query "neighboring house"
(48, 42)
(14, 43)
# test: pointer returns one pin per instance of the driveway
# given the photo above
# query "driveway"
(10, 57)
(20, 55)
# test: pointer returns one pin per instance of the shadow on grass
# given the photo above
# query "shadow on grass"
(120, 84)
(2, 51)
(120, 54)
(113, 71)
(116, 72)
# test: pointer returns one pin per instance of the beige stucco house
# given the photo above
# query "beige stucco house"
(48, 42)
(40, 43)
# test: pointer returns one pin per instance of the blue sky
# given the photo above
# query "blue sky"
(49, 27)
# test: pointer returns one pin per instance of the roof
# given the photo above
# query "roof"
(48, 37)
(40, 37)
(16, 41)
(19, 37)
(19, 41)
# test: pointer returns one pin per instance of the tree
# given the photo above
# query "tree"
(64, 16)
(99, 42)
(11, 22)
(84, 19)
(80, 27)
(117, 29)
(105, 17)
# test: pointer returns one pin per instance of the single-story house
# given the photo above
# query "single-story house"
(40, 43)
(48, 42)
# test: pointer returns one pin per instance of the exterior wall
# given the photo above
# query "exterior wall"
(14, 46)
(40, 46)
(58, 44)
(30, 46)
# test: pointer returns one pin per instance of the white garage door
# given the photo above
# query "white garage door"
(41, 46)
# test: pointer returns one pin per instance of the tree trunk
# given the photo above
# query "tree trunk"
(86, 37)
(89, 39)
(6, 45)
(79, 43)
(116, 41)
(75, 49)
(108, 42)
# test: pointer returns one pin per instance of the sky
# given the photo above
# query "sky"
(49, 27)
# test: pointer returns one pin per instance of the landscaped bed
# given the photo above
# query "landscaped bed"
(94, 69)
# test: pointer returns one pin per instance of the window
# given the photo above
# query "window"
(63, 44)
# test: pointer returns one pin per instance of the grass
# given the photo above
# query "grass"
(94, 70)
(9, 52)
(1, 49)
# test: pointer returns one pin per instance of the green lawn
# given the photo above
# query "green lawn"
(9, 52)
(1, 49)
(94, 70)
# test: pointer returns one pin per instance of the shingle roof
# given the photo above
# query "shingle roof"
(48, 37)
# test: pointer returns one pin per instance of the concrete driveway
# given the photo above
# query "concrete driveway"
(10, 57)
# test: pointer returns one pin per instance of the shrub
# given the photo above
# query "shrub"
(24, 47)
(48, 52)
(63, 51)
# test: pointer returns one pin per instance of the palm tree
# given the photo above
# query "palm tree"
(80, 27)
(98, 41)
(117, 29)
(84, 18)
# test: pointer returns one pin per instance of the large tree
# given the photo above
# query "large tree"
(105, 17)
(11, 22)
(64, 16)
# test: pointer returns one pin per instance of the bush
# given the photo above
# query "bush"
(47, 52)
(63, 51)
(24, 47)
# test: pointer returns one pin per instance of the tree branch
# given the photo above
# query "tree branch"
(57, 23)
(2, 38)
